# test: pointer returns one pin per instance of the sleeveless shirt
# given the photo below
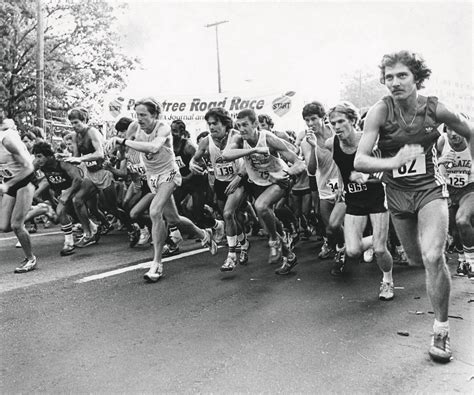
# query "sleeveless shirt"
(262, 168)
(223, 170)
(461, 172)
(163, 161)
(423, 172)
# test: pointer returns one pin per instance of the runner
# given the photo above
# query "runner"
(319, 161)
(88, 150)
(364, 197)
(457, 165)
(405, 126)
(65, 179)
(268, 178)
(16, 190)
(229, 182)
(155, 143)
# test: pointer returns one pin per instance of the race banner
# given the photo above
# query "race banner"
(284, 109)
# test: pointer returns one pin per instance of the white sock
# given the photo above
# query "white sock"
(387, 277)
(69, 239)
(439, 327)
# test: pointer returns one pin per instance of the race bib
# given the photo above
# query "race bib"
(180, 162)
(91, 163)
(413, 168)
(333, 184)
(137, 169)
(224, 169)
(6, 173)
(458, 180)
(56, 179)
(354, 187)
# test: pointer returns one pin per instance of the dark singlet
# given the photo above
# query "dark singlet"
(183, 158)
(57, 177)
(358, 194)
(422, 173)
(84, 146)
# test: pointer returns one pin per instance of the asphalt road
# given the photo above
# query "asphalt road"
(66, 329)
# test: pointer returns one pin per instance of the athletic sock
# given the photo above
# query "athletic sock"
(232, 243)
(68, 237)
(440, 327)
(387, 277)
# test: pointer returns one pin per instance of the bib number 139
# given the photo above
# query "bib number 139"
(415, 167)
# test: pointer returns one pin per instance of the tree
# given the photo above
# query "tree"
(362, 89)
(83, 58)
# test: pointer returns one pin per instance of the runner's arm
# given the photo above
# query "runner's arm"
(235, 151)
(152, 147)
(364, 160)
(203, 147)
(277, 144)
(75, 173)
(456, 122)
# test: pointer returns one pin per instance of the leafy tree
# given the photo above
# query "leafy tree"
(362, 89)
(83, 58)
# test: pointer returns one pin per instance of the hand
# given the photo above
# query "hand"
(3, 189)
(73, 159)
(358, 177)
(195, 168)
(233, 185)
(407, 153)
(447, 158)
(311, 138)
(111, 143)
(261, 150)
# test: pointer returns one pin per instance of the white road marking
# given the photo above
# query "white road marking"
(33, 235)
(144, 265)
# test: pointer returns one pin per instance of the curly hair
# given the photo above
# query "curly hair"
(43, 148)
(79, 113)
(412, 60)
(314, 107)
(267, 119)
(348, 109)
(222, 115)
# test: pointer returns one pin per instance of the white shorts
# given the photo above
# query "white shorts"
(155, 180)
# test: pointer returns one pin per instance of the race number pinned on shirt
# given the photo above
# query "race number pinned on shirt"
(415, 167)
(225, 168)
(458, 180)
(354, 187)
(333, 184)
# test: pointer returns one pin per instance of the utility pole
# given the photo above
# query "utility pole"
(216, 25)
(40, 64)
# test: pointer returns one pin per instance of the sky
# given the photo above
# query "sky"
(271, 46)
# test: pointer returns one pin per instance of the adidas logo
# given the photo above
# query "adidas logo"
(428, 129)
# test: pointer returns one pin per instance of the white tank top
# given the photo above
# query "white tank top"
(461, 172)
(264, 169)
(164, 160)
(327, 173)
(223, 171)
(8, 166)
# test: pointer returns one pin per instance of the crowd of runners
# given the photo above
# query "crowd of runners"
(396, 184)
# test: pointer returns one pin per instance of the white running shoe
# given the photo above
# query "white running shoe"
(144, 236)
(369, 255)
(386, 291)
(219, 231)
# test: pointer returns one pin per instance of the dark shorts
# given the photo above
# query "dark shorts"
(20, 184)
(219, 189)
(456, 194)
(256, 190)
(366, 209)
(406, 204)
(300, 192)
